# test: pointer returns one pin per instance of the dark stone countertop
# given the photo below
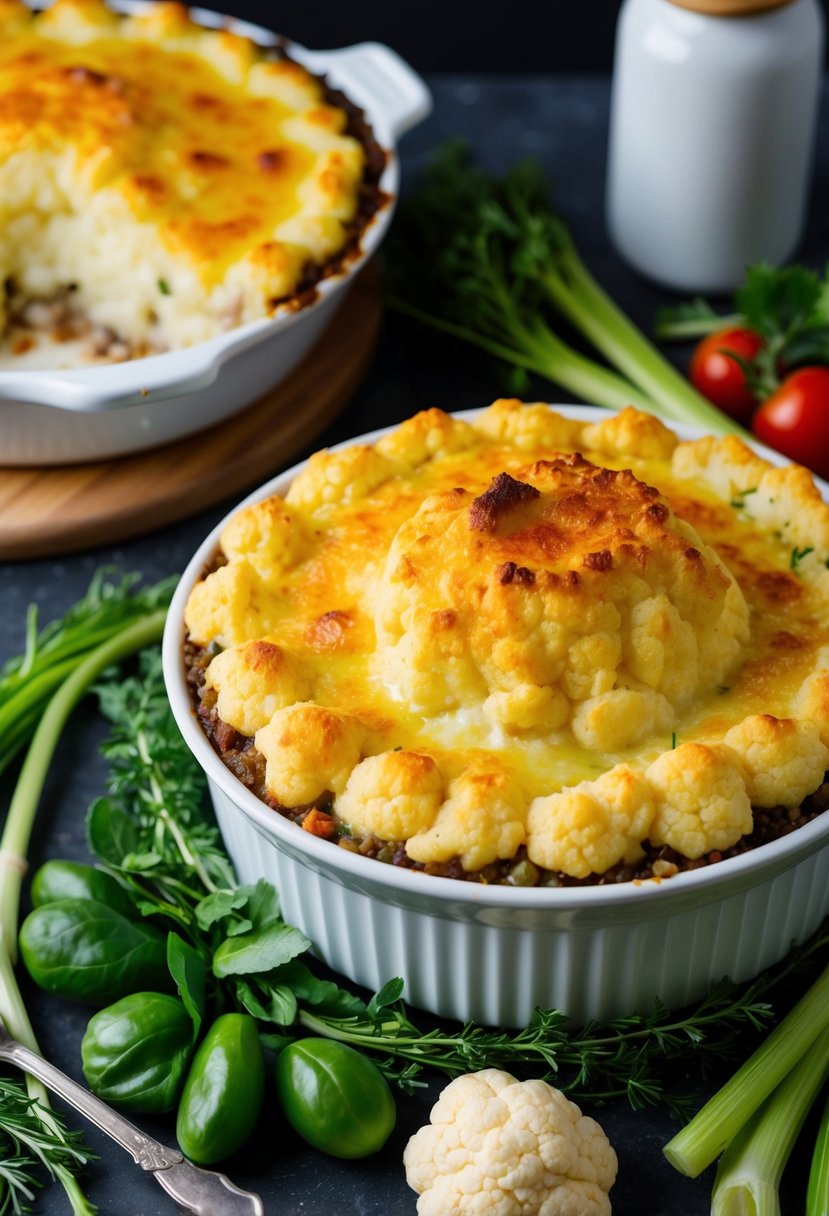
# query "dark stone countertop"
(561, 120)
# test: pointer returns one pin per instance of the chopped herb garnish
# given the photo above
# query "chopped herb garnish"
(798, 556)
(164, 287)
(738, 502)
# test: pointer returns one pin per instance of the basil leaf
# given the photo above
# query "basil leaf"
(110, 832)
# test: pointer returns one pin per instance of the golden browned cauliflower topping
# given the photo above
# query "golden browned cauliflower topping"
(529, 633)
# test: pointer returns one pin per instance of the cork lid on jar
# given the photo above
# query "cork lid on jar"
(730, 8)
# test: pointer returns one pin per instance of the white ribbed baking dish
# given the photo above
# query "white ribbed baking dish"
(495, 953)
(59, 417)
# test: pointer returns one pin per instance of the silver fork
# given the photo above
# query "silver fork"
(196, 1191)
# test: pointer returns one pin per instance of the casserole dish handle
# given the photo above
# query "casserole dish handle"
(375, 76)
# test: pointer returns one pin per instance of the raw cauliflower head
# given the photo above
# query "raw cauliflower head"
(496, 1146)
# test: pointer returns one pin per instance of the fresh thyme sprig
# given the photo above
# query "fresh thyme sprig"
(156, 793)
(636, 1058)
(32, 1139)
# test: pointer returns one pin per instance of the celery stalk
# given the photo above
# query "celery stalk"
(489, 261)
(749, 1172)
(817, 1195)
(586, 304)
(14, 842)
(703, 1139)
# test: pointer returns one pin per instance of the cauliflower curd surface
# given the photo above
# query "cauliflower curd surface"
(527, 633)
(170, 181)
(496, 1146)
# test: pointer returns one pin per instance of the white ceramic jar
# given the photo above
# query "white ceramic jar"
(713, 115)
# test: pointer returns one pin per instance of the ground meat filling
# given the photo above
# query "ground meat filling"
(245, 762)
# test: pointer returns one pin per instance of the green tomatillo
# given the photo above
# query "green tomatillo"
(334, 1097)
(223, 1092)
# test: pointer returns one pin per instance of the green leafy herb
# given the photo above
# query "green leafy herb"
(798, 555)
(738, 502)
(489, 261)
(34, 1140)
(164, 287)
(787, 306)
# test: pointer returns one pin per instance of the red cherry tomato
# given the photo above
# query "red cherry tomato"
(795, 419)
(719, 377)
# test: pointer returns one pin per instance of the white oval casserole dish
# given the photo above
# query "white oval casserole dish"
(59, 417)
(494, 953)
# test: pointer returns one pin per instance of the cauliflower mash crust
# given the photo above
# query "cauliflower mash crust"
(163, 181)
(526, 648)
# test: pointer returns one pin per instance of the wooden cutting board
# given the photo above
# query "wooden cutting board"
(45, 511)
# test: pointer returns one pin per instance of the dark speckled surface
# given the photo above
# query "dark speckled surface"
(562, 121)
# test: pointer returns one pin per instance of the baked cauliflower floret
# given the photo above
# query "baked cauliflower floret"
(556, 576)
(615, 719)
(427, 436)
(338, 477)
(812, 702)
(482, 820)
(253, 681)
(630, 433)
(661, 648)
(230, 606)
(392, 796)
(268, 533)
(783, 759)
(785, 500)
(701, 799)
(529, 427)
(496, 1145)
(309, 752)
(529, 707)
(591, 826)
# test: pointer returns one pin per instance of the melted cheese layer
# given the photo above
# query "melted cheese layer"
(595, 635)
(177, 178)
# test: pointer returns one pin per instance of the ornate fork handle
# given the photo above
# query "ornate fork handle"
(200, 1192)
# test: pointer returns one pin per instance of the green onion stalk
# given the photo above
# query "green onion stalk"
(817, 1194)
(725, 1115)
(83, 670)
(489, 261)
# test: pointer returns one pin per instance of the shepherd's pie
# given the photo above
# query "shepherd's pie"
(161, 182)
(526, 648)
